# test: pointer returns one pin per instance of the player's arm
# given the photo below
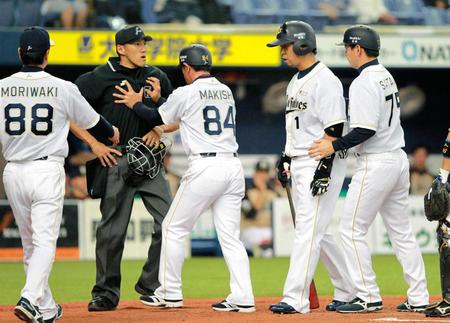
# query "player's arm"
(153, 137)
(323, 148)
(445, 165)
(103, 152)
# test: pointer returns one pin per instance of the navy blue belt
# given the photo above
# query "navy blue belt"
(215, 154)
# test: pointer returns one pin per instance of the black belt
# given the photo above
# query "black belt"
(215, 154)
(41, 158)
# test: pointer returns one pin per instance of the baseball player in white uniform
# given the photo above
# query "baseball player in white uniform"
(315, 108)
(34, 124)
(205, 110)
(381, 180)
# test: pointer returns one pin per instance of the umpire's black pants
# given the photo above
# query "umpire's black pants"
(116, 208)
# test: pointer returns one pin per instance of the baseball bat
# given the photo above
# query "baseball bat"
(313, 298)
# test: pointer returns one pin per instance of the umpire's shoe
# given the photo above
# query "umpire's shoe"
(282, 308)
(357, 305)
(100, 304)
(28, 312)
(155, 301)
(440, 309)
(225, 306)
(334, 305)
(406, 307)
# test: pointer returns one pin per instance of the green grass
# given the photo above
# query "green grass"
(203, 278)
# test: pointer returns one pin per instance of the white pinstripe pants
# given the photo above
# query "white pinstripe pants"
(216, 182)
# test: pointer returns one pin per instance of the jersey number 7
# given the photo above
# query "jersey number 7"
(391, 97)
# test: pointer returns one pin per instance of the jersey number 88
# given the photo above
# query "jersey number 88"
(15, 119)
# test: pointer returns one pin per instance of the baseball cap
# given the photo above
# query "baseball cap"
(35, 40)
(262, 166)
(130, 34)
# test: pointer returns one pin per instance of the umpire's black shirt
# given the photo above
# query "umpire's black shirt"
(98, 85)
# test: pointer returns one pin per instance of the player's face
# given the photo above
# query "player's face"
(133, 54)
(351, 54)
(288, 56)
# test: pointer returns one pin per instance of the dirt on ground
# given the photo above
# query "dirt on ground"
(199, 310)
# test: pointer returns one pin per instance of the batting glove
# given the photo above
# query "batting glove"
(322, 176)
(283, 165)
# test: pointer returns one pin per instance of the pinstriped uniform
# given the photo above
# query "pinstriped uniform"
(380, 185)
(314, 102)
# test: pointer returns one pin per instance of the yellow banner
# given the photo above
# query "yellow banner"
(94, 48)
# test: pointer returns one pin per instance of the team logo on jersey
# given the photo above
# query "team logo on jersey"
(294, 104)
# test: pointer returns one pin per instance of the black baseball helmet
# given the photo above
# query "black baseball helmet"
(300, 33)
(196, 55)
(363, 36)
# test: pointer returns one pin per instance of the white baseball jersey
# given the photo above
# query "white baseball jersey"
(375, 104)
(314, 102)
(35, 113)
(207, 111)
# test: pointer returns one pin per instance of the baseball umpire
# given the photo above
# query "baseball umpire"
(377, 137)
(437, 208)
(34, 124)
(98, 87)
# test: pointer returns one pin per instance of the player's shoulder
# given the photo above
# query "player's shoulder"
(326, 77)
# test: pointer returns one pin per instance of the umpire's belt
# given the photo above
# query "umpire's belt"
(218, 155)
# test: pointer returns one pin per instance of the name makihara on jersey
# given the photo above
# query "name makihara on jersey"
(314, 102)
(35, 108)
(375, 105)
(208, 110)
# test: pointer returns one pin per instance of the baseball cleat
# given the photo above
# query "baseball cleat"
(282, 308)
(225, 306)
(155, 301)
(334, 305)
(440, 309)
(357, 305)
(406, 307)
(59, 314)
(28, 312)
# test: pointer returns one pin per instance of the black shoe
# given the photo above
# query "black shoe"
(28, 312)
(59, 314)
(142, 290)
(282, 308)
(357, 305)
(334, 305)
(441, 309)
(101, 303)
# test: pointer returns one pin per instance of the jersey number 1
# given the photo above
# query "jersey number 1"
(15, 119)
(212, 122)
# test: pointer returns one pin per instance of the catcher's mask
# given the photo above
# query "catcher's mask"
(144, 160)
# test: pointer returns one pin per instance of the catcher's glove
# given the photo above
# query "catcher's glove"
(322, 176)
(144, 160)
(437, 201)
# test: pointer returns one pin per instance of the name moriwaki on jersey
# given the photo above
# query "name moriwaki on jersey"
(374, 104)
(208, 112)
(35, 112)
(314, 102)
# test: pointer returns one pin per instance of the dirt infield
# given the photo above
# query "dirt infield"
(198, 310)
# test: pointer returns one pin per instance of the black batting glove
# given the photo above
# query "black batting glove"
(281, 170)
(322, 176)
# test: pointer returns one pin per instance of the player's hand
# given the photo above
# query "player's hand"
(153, 137)
(115, 139)
(283, 169)
(322, 176)
(155, 93)
(127, 96)
(321, 148)
(105, 154)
